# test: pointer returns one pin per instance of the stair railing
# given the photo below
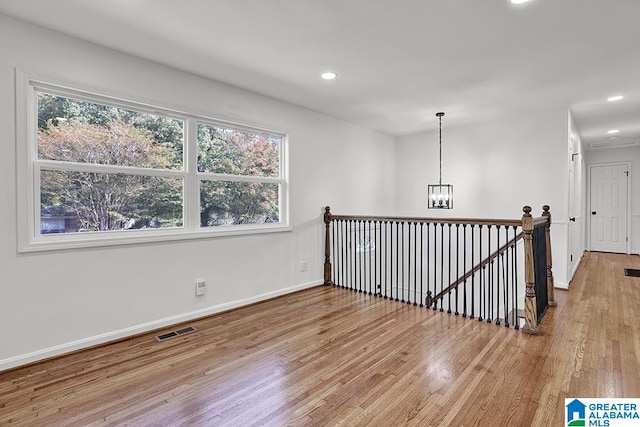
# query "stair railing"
(415, 260)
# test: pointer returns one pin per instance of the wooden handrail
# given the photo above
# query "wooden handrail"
(425, 220)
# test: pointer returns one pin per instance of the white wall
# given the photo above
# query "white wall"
(496, 169)
(54, 302)
(619, 155)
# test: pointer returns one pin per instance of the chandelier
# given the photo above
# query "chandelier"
(440, 196)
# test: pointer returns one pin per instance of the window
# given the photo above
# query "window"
(104, 171)
(253, 159)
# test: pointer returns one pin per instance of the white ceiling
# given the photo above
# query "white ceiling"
(398, 62)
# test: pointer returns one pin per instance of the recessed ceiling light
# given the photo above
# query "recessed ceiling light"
(612, 131)
(329, 75)
(519, 1)
(615, 98)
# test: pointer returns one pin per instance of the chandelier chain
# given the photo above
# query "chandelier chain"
(440, 153)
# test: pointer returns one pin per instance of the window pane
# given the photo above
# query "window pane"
(71, 202)
(233, 203)
(236, 152)
(85, 132)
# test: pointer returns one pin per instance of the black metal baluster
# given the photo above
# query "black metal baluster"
(359, 254)
(473, 276)
(354, 255)
(407, 283)
(381, 257)
(435, 266)
(433, 271)
(428, 302)
(449, 270)
(402, 278)
(391, 245)
(505, 263)
(334, 253)
(397, 260)
(464, 262)
(342, 263)
(376, 254)
(347, 255)
(516, 321)
(491, 283)
(457, 268)
(505, 277)
(483, 283)
(364, 254)
(368, 257)
(415, 265)
(441, 265)
(406, 262)
(390, 248)
(408, 250)
(421, 263)
(497, 274)
(386, 260)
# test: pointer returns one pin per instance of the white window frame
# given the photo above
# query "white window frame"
(28, 172)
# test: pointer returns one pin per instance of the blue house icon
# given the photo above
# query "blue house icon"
(576, 409)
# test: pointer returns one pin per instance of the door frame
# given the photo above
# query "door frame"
(588, 210)
(575, 195)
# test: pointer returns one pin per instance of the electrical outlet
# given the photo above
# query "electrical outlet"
(201, 287)
(304, 266)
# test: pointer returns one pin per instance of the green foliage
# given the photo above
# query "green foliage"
(109, 201)
(164, 131)
(78, 131)
(227, 203)
(234, 152)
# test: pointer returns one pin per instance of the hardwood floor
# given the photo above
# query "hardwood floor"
(328, 356)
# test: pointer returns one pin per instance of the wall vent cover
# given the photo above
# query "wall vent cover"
(631, 272)
(177, 333)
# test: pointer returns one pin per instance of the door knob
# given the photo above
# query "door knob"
(593, 212)
(572, 219)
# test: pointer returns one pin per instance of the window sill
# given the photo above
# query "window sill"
(118, 238)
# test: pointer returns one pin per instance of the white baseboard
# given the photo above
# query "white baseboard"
(72, 346)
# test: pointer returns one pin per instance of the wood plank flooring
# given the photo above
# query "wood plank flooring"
(328, 357)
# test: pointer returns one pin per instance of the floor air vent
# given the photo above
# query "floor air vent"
(631, 272)
(173, 334)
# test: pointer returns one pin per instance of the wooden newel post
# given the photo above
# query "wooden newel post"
(327, 246)
(530, 307)
(550, 282)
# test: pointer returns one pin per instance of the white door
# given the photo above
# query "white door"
(608, 211)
